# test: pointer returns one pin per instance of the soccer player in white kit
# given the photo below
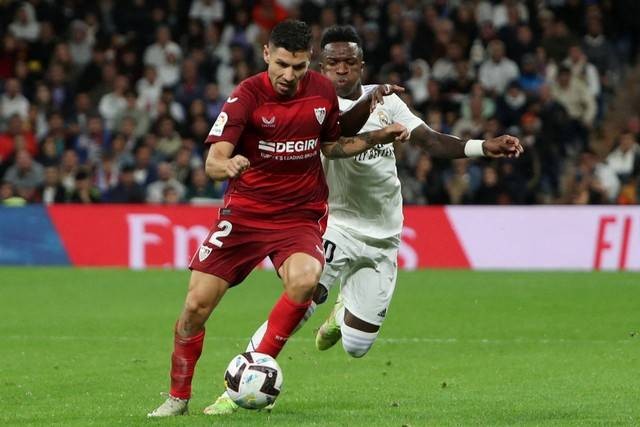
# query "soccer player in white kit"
(365, 207)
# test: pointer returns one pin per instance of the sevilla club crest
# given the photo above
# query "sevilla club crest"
(204, 252)
(320, 114)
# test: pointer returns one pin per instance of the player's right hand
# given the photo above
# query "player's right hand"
(236, 165)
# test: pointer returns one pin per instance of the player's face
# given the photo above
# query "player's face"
(286, 68)
(342, 64)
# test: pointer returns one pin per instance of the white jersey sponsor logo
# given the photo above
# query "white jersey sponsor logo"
(288, 146)
(231, 100)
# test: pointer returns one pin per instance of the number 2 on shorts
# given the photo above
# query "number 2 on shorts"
(225, 228)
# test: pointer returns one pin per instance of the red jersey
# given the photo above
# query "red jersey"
(281, 137)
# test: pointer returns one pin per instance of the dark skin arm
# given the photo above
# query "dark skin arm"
(451, 147)
(351, 121)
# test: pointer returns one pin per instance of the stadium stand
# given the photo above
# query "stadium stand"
(110, 101)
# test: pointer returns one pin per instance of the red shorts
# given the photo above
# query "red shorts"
(232, 250)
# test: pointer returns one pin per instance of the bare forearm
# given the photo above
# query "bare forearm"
(438, 144)
(352, 145)
(216, 169)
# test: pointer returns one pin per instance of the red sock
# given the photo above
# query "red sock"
(283, 319)
(186, 352)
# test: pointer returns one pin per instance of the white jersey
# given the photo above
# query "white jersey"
(364, 191)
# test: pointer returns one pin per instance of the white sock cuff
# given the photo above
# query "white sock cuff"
(356, 342)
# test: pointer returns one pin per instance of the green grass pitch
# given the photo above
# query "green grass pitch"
(92, 347)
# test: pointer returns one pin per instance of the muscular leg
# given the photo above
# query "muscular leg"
(205, 291)
(300, 274)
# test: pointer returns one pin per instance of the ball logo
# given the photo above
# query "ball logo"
(320, 114)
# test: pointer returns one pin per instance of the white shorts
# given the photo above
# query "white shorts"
(366, 272)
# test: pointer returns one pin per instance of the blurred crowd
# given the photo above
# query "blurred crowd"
(111, 100)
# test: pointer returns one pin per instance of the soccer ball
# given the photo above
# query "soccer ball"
(253, 380)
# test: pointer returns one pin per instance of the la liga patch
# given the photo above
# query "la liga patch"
(218, 126)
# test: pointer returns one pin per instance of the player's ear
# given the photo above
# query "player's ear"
(265, 54)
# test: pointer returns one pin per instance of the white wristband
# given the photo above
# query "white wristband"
(473, 148)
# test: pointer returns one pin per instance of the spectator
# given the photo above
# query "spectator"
(425, 186)
(149, 89)
(579, 102)
(51, 191)
(512, 105)
(582, 70)
(169, 140)
(530, 79)
(13, 101)
(8, 196)
(191, 87)
(81, 44)
(489, 192)
(127, 190)
(202, 187)
(114, 103)
(135, 115)
(16, 137)
(155, 190)
(26, 175)
(444, 69)
(25, 26)
(69, 164)
(166, 56)
(497, 71)
(84, 191)
(208, 11)
(624, 159)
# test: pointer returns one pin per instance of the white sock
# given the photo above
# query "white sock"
(356, 342)
(254, 342)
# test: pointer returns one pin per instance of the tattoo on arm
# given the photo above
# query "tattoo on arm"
(351, 146)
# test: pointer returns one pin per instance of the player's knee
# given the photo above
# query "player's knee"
(303, 281)
(355, 342)
(196, 307)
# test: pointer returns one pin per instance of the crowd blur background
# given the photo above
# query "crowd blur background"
(110, 101)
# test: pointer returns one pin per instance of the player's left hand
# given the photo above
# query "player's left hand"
(502, 146)
(377, 95)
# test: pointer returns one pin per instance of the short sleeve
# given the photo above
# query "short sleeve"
(233, 118)
(402, 114)
(331, 128)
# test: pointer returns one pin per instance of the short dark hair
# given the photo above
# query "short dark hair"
(291, 35)
(341, 33)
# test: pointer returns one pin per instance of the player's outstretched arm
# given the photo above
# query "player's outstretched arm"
(352, 120)
(451, 147)
(220, 165)
(354, 145)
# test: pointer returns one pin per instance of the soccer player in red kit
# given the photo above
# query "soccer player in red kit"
(267, 142)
